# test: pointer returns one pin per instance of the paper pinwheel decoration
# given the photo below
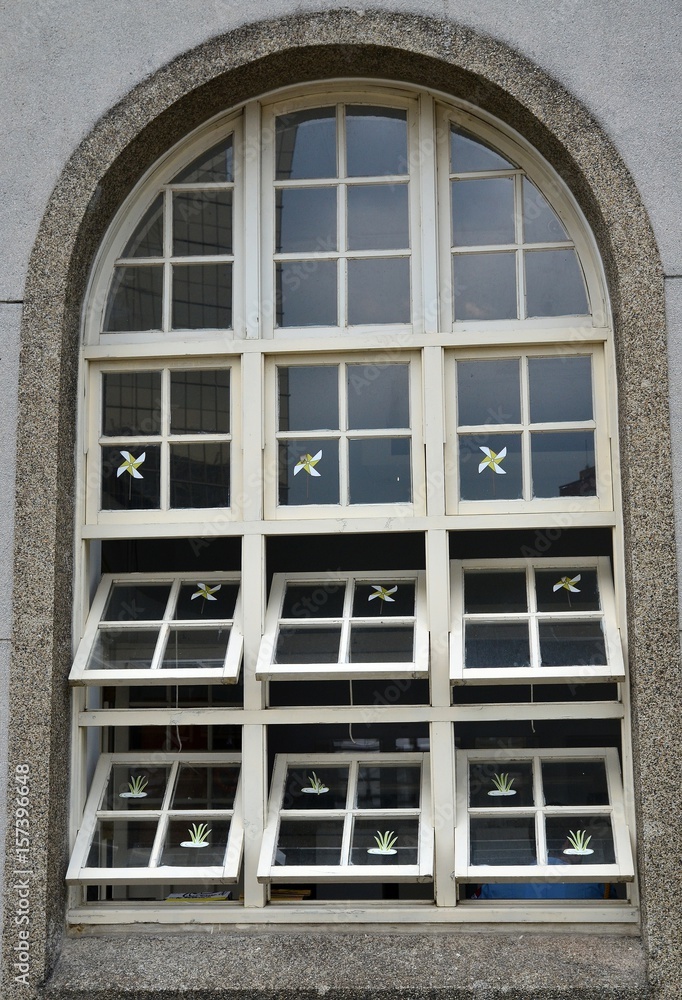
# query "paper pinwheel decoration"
(565, 583)
(382, 593)
(206, 591)
(131, 465)
(492, 460)
(308, 463)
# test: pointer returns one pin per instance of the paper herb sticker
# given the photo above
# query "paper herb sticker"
(566, 583)
(382, 593)
(131, 465)
(307, 463)
(492, 460)
(206, 592)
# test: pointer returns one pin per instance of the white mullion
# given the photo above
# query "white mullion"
(346, 620)
(538, 795)
(349, 821)
(344, 445)
(443, 785)
(533, 625)
(342, 218)
(167, 313)
(433, 424)
(162, 825)
(438, 614)
(526, 462)
(520, 258)
(164, 446)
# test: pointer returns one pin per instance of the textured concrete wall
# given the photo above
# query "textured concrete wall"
(67, 65)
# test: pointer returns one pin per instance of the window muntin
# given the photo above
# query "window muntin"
(355, 625)
(545, 620)
(334, 817)
(519, 811)
(174, 820)
(156, 628)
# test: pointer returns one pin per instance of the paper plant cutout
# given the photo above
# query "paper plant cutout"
(382, 593)
(308, 463)
(492, 460)
(565, 583)
(131, 465)
(206, 591)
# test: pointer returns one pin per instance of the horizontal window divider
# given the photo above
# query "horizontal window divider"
(341, 671)
(306, 182)
(354, 873)
(475, 175)
(486, 248)
(547, 873)
(217, 258)
(568, 425)
(199, 186)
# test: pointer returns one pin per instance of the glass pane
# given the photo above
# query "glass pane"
(306, 219)
(500, 783)
(540, 222)
(389, 787)
(309, 471)
(497, 591)
(567, 590)
(135, 786)
(131, 403)
(560, 389)
(147, 240)
(385, 598)
(306, 144)
(307, 645)
(485, 286)
(202, 296)
(199, 475)
(503, 840)
(313, 786)
(569, 644)
(306, 292)
(575, 783)
(381, 644)
(563, 464)
(196, 649)
(483, 212)
(308, 397)
(136, 602)
(309, 842)
(469, 154)
(131, 479)
(490, 467)
(206, 599)
(380, 470)
(122, 843)
(488, 392)
(378, 217)
(202, 223)
(385, 842)
(212, 167)
(134, 301)
(200, 402)
(379, 291)
(376, 141)
(313, 600)
(211, 786)
(554, 284)
(560, 844)
(496, 646)
(123, 649)
(195, 843)
(378, 396)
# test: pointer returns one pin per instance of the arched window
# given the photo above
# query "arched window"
(348, 434)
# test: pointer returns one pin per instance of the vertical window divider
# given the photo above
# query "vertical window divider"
(344, 644)
(540, 829)
(441, 761)
(534, 627)
(167, 308)
(342, 219)
(165, 404)
(433, 408)
(247, 165)
(518, 228)
(526, 459)
(344, 446)
(349, 820)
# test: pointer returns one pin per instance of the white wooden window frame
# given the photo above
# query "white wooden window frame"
(155, 873)
(621, 871)
(414, 433)
(268, 669)
(164, 439)
(228, 673)
(600, 425)
(346, 872)
(613, 670)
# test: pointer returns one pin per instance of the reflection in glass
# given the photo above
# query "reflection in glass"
(200, 475)
(221, 606)
(297, 644)
(202, 296)
(486, 777)
(376, 141)
(306, 219)
(485, 286)
(584, 596)
(554, 284)
(177, 852)
(388, 787)
(212, 167)
(488, 392)
(200, 402)
(301, 791)
(378, 291)
(597, 828)
(321, 600)
(560, 389)
(487, 484)
(379, 470)
(381, 644)
(308, 397)
(309, 842)
(563, 464)
(367, 604)
(131, 403)
(498, 591)
(211, 786)
(306, 144)
(147, 239)
(483, 211)
(499, 645)
(136, 602)
(378, 217)
(568, 644)
(195, 649)
(125, 491)
(135, 786)
(306, 292)
(123, 649)
(469, 154)
(503, 840)
(122, 843)
(303, 487)
(378, 396)
(134, 301)
(540, 222)
(202, 223)
(575, 783)
(367, 833)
